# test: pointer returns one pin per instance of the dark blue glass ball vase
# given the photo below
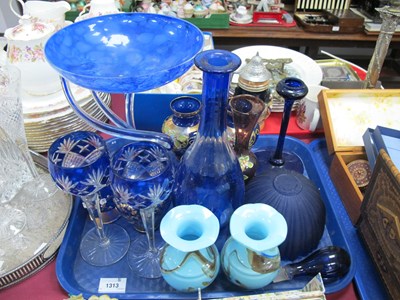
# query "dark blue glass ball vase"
(298, 200)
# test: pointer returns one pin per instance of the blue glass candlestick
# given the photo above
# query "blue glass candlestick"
(291, 89)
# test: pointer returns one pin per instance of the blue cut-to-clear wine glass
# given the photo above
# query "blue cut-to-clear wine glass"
(79, 164)
(142, 179)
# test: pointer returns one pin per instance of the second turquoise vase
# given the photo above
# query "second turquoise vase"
(209, 173)
(250, 257)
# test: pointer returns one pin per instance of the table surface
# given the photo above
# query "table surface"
(290, 33)
(240, 36)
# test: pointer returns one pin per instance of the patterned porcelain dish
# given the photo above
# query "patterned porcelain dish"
(39, 106)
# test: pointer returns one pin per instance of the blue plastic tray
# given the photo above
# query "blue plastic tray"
(77, 277)
(366, 277)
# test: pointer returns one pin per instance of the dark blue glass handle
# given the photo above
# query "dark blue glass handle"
(332, 262)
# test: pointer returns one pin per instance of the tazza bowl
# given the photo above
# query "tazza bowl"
(125, 52)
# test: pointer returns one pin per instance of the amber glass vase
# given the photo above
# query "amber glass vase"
(246, 110)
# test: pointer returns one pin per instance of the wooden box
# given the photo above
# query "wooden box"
(379, 222)
(327, 16)
(337, 21)
(345, 184)
(346, 115)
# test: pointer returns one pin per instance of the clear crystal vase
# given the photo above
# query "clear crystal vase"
(209, 173)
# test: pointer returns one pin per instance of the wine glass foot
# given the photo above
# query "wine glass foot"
(291, 161)
(40, 188)
(96, 253)
(143, 262)
(39, 211)
(12, 222)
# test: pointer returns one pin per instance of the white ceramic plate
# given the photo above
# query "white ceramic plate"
(36, 105)
(305, 67)
(43, 129)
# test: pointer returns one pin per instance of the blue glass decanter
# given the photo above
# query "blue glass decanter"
(209, 173)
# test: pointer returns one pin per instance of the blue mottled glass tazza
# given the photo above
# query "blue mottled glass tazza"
(125, 52)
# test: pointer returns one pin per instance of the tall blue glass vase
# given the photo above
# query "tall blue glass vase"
(209, 173)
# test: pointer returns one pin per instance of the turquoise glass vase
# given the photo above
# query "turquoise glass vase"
(189, 260)
(250, 257)
(209, 173)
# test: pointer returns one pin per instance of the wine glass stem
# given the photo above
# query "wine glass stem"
(147, 215)
(28, 159)
(92, 203)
